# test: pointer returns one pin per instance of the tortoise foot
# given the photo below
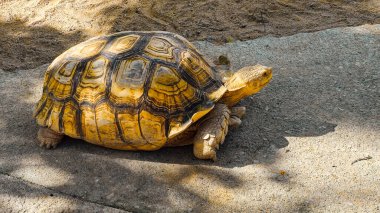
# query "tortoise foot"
(236, 114)
(234, 121)
(211, 133)
(238, 111)
(48, 138)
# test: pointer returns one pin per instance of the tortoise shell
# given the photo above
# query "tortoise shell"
(129, 90)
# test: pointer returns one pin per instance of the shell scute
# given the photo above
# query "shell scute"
(128, 81)
(70, 120)
(123, 44)
(60, 85)
(169, 91)
(53, 119)
(43, 109)
(161, 48)
(86, 49)
(89, 126)
(92, 85)
(129, 126)
(204, 75)
(152, 128)
(105, 122)
(197, 68)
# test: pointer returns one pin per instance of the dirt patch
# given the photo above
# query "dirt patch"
(23, 47)
(34, 32)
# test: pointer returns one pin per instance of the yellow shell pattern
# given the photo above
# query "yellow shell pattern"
(129, 91)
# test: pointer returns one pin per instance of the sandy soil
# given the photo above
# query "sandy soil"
(35, 31)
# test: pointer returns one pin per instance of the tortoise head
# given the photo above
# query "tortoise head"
(245, 82)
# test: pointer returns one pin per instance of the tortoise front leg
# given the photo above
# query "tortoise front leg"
(48, 138)
(238, 111)
(211, 132)
(236, 114)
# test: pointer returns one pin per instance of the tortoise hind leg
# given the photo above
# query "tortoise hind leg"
(48, 138)
(211, 132)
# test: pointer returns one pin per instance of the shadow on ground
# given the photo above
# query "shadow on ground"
(112, 177)
(172, 178)
(23, 47)
(35, 32)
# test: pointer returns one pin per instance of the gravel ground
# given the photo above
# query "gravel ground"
(310, 141)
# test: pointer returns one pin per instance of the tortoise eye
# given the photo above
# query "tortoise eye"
(266, 74)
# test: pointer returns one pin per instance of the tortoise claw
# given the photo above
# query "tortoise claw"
(48, 138)
(238, 111)
(234, 121)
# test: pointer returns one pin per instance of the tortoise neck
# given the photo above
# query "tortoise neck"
(231, 98)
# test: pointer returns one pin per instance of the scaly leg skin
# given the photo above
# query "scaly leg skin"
(211, 132)
(48, 138)
(238, 111)
(236, 114)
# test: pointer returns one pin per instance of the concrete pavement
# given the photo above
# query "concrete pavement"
(310, 141)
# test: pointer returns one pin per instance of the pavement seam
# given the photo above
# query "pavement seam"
(65, 194)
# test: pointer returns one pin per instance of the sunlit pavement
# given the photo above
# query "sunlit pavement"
(310, 141)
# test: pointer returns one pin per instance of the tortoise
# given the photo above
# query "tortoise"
(142, 91)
